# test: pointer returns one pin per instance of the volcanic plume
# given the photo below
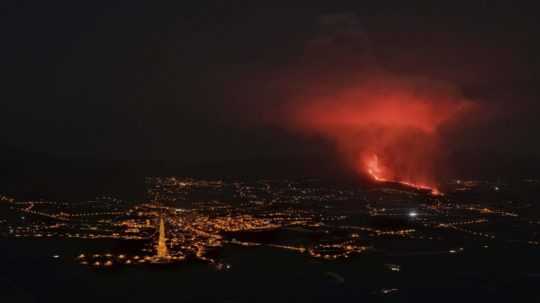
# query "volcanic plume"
(386, 127)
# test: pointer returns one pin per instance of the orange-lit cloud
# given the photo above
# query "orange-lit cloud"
(386, 127)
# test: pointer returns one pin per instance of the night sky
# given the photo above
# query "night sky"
(197, 81)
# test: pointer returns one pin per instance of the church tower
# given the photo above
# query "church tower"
(162, 251)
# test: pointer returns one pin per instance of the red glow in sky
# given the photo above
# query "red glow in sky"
(385, 128)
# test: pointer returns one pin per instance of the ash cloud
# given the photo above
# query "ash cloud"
(337, 90)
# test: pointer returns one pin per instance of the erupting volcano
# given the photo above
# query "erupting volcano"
(374, 170)
(388, 129)
(387, 125)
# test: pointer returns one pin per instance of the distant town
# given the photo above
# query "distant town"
(189, 220)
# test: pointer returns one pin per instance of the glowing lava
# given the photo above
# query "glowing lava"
(377, 172)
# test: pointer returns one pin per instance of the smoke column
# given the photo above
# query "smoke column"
(385, 127)
(384, 124)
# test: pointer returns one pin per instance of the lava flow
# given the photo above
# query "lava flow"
(376, 171)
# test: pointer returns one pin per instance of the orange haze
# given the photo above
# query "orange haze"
(386, 128)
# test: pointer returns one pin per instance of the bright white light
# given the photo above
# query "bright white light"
(413, 214)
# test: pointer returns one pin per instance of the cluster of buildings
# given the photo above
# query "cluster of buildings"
(194, 220)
